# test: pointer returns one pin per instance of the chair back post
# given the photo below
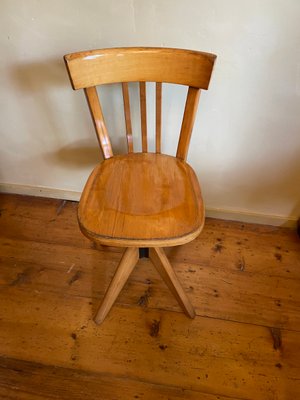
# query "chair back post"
(128, 125)
(191, 105)
(158, 107)
(143, 110)
(98, 119)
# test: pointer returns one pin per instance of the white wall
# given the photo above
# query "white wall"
(245, 146)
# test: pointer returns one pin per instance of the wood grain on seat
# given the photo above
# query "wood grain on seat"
(142, 199)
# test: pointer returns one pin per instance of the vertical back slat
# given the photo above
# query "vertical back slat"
(158, 93)
(98, 119)
(189, 115)
(143, 116)
(127, 116)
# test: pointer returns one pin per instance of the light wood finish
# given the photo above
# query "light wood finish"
(158, 93)
(127, 263)
(143, 109)
(163, 266)
(142, 200)
(139, 64)
(243, 344)
(98, 119)
(127, 116)
(189, 116)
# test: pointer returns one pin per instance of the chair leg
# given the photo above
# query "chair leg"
(125, 267)
(163, 266)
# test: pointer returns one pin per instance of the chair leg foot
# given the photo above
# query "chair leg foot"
(163, 266)
(125, 267)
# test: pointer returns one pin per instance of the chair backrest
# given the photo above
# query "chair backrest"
(88, 69)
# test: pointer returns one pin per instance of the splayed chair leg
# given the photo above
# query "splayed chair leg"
(163, 266)
(125, 267)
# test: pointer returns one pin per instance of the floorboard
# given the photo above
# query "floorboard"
(24, 380)
(243, 280)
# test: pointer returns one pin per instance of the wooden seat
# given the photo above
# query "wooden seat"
(141, 200)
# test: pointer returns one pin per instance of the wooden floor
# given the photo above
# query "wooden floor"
(243, 279)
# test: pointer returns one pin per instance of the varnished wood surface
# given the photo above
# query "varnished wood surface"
(98, 120)
(143, 110)
(87, 69)
(243, 344)
(189, 116)
(139, 64)
(158, 112)
(23, 380)
(126, 266)
(142, 199)
(166, 271)
(127, 115)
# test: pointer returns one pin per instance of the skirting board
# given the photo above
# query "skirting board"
(232, 215)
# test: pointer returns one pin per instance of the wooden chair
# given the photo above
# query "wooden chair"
(141, 201)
